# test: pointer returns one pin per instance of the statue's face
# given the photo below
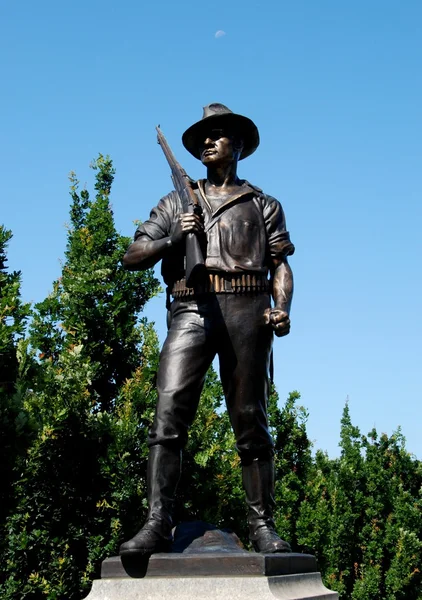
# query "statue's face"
(217, 148)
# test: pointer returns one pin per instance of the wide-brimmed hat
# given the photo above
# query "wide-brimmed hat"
(217, 115)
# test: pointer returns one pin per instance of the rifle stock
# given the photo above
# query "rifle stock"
(195, 266)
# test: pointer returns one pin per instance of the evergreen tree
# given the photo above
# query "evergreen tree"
(73, 431)
(92, 356)
(347, 493)
(95, 304)
(391, 536)
(15, 430)
(13, 317)
(313, 527)
(292, 461)
(211, 466)
(362, 517)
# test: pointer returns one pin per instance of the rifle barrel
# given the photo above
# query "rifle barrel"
(194, 258)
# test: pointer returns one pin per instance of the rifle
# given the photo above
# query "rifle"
(194, 260)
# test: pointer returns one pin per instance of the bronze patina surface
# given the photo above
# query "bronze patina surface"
(202, 550)
(230, 307)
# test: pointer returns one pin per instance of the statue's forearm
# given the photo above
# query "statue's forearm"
(282, 285)
(143, 253)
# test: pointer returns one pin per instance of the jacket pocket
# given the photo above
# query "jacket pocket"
(242, 239)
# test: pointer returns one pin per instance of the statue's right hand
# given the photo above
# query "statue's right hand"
(186, 223)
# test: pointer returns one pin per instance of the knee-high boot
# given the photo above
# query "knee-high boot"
(163, 474)
(258, 481)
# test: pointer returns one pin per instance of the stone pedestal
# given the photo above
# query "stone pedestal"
(306, 586)
(210, 566)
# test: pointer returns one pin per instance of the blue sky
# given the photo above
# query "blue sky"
(335, 89)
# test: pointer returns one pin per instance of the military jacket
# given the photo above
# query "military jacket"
(243, 234)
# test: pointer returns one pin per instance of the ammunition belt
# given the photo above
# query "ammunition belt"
(223, 283)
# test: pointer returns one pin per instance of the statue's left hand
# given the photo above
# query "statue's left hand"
(279, 321)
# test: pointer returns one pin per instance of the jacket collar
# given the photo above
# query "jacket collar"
(244, 190)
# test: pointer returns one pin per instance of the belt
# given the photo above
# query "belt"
(223, 283)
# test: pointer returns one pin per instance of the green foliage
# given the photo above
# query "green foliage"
(347, 493)
(362, 516)
(391, 536)
(292, 461)
(82, 486)
(15, 428)
(77, 398)
(211, 466)
(95, 303)
(13, 317)
(91, 398)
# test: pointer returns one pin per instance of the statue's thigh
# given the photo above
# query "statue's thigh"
(246, 342)
(185, 358)
(244, 366)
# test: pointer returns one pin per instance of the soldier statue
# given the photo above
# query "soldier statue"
(243, 297)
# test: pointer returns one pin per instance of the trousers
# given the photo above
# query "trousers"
(233, 327)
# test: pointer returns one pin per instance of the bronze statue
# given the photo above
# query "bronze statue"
(225, 310)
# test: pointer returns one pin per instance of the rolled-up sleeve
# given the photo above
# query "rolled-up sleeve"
(278, 237)
(160, 221)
